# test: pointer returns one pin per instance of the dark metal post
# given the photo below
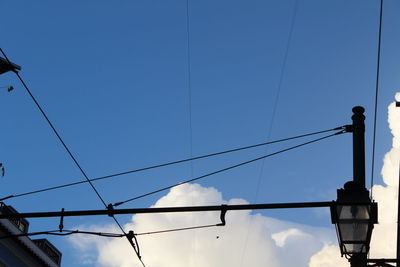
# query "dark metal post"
(358, 146)
(398, 223)
(358, 166)
(358, 261)
(398, 215)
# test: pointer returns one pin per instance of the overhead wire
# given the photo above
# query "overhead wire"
(376, 95)
(178, 229)
(136, 249)
(227, 168)
(172, 163)
(63, 233)
(54, 130)
(104, 234)
(189, 87)
(274, 111)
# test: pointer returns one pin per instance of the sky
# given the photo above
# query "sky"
(130, 84)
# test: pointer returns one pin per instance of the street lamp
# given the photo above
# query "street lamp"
(6, 66)
(354, 216)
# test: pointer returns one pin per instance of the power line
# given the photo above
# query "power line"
(189, 87)
(178, 229)
(274, 111)
(172, 163)
(63, 233)
(55, 131)
(102, 234)
(376, 94)
(226, 169)
(136, 249)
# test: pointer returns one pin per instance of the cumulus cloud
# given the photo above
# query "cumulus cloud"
(383, 242)
(269, 242)
(248, 239)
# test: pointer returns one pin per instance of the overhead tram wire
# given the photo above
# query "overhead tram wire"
(376, 94)
(136, 249)
(189, 87)
(104, 234)
(227, 168)
(172, 163)
(63, 233)
(274, 111)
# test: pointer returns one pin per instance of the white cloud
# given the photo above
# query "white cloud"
(328, 257)
(383, 243)
(270, 242)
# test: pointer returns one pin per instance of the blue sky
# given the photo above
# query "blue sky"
(114, 80)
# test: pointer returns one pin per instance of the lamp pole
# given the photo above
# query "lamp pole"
(358, 146)
(354, 223)
(359, 260)
(398, 214)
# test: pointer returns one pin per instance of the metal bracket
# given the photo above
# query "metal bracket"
(61, 225)
(222, 216)
(110, 208)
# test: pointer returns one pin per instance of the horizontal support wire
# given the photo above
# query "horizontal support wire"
(71, 232)
(64, 233)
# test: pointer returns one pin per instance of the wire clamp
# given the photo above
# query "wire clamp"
(130, 235)
(110, 210)
(222, 216)
(347, 128)
(61, 225)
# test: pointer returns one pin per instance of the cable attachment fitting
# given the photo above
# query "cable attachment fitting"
(110, 209)
(344, 129)
(61, 225)
(222, 216)
(348, 128)
(132, 240)
(130, 235)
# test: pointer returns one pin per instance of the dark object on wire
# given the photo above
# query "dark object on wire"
(6, 66)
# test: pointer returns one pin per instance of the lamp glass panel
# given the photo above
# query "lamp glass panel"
(355, 248)
(353, 231)
(353, 223)
(358, 212)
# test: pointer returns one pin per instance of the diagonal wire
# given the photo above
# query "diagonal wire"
(178, 229)
(274, 111)
(227, 168)
(55, 131)
(171, 163)
(376, 94)
(136, 249)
